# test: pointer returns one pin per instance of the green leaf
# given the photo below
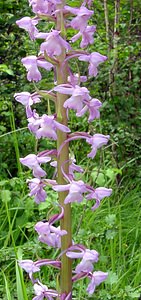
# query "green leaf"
(98, 178)
(112, 278)
(110, 234)
(5, 195)
(110, 219)
(2, 128)
(5, 69)
(3, 182)
(134, 295)
(132, 292)
(43, 205)
(110, 174)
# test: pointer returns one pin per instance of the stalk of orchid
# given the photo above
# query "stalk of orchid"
(68, 94)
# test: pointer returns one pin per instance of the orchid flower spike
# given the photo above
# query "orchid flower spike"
(55, 52)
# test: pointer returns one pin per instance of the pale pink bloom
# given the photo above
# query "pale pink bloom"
(97, 141)
(88, 258)
(42, 292)
(98, 194)
(48, 126)
(82, 16)
(50, 234)
(54, 43)
(45, 126)
(31, 63)
(32, 267)
(93, 107)
(33, 162)
(75, 188)
(79, 95)
(96, 278)
(36, 189)
(80, 100)
(33, 124)
(29, 266)
(75, 79)
(94, 60)
(43, 6)
(87, 36)
(27, 100)
(29, 25)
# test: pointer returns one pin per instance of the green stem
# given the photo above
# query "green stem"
(66, 241)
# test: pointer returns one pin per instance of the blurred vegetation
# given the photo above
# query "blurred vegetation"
(116, 233)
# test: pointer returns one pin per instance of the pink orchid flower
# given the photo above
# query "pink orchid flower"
(29, 25)
(31, 63)
(94, 60)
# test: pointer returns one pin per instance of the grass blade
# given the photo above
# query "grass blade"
(7, 288)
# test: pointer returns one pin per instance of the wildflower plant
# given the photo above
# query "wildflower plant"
(55, 54)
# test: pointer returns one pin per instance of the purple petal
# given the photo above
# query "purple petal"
(24, 98)
(44, 64)
(84, 57)
(29, 25)
(61, 127)
(97, 278)
(74, 255)
(28, 265)
(102, 192)
(91, 255)
(64, 90)
(84, 266)
(61, 188)
(30, 63)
